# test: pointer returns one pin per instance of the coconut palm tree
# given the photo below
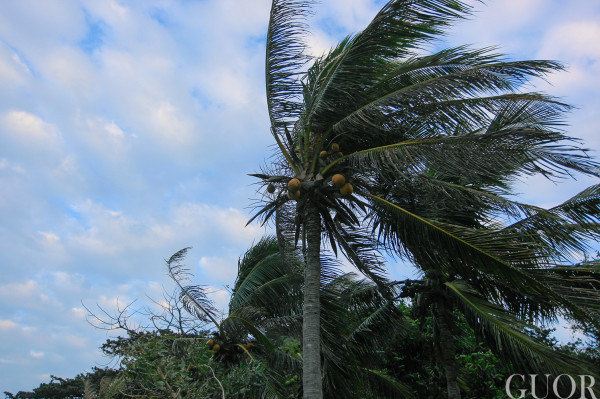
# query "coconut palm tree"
(564, 229)
(374, 116)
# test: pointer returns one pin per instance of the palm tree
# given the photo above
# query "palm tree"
(564, 229)
(265, 311)
(359, 126)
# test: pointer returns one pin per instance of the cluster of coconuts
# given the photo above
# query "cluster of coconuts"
(213, 345)
(339, 181)
(334, 150)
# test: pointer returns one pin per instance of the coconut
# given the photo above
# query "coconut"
(335, 147)
(216, 348)
(271, 188)
(323, 154)
(338, 180)
(294, 184)
(210, 342)
(347, 189)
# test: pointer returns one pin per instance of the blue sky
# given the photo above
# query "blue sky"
(127, 130)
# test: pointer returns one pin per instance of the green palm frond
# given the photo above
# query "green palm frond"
(456, 201)
(566, 229)
(284, 62)
(264, 248)
(463, 83)
(456, 247)
(389, 383)
(397, 30)
(579, 285)
(507, 335)
(359, 247)
(523, 142)
(354, 316)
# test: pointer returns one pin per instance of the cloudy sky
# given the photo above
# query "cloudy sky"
(127, 129)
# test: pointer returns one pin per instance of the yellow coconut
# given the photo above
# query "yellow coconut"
(335, 147)
(338, 180)
(210, 342)
(347, 189)
(216, 348)
(294, 184)
(323, 154)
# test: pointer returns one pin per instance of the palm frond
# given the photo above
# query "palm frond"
(579, 285)
(361, 250)
(483, 156)
(353, 315)
(267, 282)
(284, 62)
(507, 335)
(381, 378)
(193, 297)
(397, 30)
(500, 252)
(566, 229)
(406, 94)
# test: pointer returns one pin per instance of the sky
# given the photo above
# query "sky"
(127, 129)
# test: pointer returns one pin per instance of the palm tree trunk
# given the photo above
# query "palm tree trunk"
(447, 349)
(311, 311)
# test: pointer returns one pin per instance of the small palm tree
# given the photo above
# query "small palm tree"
(359, 126)
(265, 311)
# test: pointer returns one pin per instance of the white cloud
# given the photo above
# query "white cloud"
(503, 22)
(219, 297)
(75, 341)
(26, 127)
(5, 164)
(7, 325)
(213, 220)
(49, 238)
(169, 122)
(351, 15)
(36, 354)
(68, 280)
(318, 43)
(573, 40)
(20, 290)
(13, 71)
(30, 295)
(219, 268)
(78, 312)
(575, 43)
(70, 68)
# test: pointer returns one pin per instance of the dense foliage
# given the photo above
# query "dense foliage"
(154, 366)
